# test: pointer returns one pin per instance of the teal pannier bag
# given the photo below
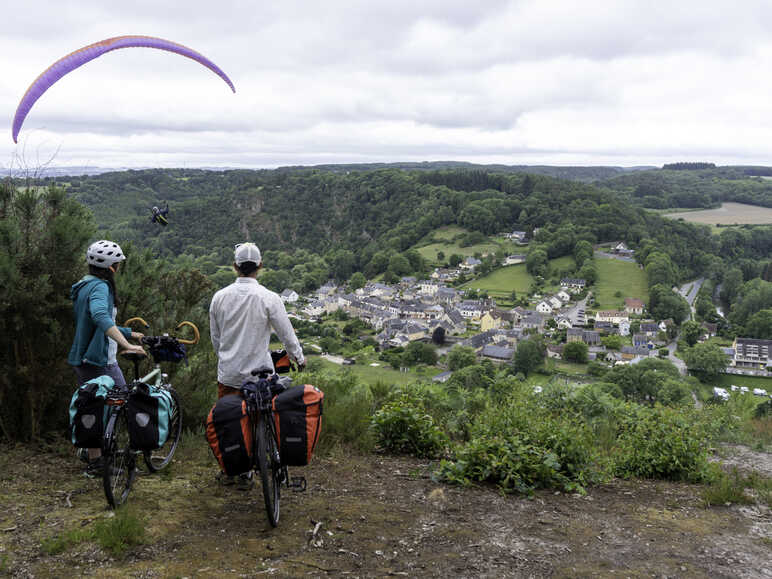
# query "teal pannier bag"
(88, 412)
(150, 412)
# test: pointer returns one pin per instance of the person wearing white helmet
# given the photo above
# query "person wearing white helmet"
(97, 338)
(241, 318)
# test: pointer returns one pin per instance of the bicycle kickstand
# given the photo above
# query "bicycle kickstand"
(297, 484)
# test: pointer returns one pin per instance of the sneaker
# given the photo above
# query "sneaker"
(82, 454)
(225, 480)
(94, 468)
(245, 482)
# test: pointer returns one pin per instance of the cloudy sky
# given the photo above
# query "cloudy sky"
(557, 82)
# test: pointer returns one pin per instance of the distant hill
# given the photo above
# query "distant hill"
(697, 186)
(587, 174)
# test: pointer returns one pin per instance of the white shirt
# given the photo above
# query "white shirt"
(241, 318)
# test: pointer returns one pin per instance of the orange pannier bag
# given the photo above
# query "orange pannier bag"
(229, 434)
(298, 418)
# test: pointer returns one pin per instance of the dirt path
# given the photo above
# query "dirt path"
(374, 517)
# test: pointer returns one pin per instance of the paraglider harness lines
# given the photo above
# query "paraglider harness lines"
(166, 349)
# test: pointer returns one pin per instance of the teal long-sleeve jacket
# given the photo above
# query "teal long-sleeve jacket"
(93, 304)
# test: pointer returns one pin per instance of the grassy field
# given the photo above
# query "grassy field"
(445, 244)
(383, 373)
(615, 275)
(500, 283)
(726, 380)
(728, 214)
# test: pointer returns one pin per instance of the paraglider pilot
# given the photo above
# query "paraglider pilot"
(159, 216)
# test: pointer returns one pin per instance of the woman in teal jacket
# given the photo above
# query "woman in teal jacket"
(97, 338)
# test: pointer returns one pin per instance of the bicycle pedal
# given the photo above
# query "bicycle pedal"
(297, 483)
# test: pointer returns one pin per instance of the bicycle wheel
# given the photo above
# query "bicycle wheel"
(119, 460)
(159, 458)
(270, 469)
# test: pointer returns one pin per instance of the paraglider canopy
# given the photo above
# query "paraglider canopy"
(83, 55)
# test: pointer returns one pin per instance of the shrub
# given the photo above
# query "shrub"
(726, 488)
(348, 406)
(403, 427)
(520, 446)
(662, 443)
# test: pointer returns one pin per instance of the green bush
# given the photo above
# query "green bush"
(662, 443)
(348, 407)
(402, 426)
(520, 446)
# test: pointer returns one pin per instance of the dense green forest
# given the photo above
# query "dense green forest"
(693, 185)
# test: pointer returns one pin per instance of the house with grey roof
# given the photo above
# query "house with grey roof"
(289, 296)
(498, 354)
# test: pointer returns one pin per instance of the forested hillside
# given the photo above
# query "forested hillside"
(333, 223)
(691, 185)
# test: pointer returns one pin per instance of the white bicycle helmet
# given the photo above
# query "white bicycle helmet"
(104, 254)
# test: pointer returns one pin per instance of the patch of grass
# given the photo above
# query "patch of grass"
(384, 373)
(614, 276)
(726, 380)
(67, 540)
(501, 282)
(443, 239)
(119, 533)
(727, 488)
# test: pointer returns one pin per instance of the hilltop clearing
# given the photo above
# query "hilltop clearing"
(373, 516)
(728, 214)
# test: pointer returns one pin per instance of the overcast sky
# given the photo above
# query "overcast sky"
(517, 82)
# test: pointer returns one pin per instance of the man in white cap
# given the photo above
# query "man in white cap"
(241, 318)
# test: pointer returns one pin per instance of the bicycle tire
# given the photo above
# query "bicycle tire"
(120, 466)
(161, 457)
(270, 470)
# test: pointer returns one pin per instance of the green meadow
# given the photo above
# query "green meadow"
(500, 283)
(442, 240)
(615, 276)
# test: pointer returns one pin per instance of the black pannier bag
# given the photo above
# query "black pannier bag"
(298, 419)
(149, 411)
(88, 412)
(229, 434)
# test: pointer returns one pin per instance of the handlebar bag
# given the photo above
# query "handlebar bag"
(298, 418)
(88, 413)
(229, 434)
(150, 412)
(281, 361)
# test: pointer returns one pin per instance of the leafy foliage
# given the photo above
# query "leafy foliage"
(662, 442)
(404, 427)
(43, 237)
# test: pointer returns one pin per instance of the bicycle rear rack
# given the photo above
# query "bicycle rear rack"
(297, 484)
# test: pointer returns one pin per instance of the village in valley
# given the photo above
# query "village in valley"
(434, 310)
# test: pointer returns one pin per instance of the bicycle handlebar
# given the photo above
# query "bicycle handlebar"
(196, 333)
(136, 319)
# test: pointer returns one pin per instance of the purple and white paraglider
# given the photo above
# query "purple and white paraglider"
(81, 56)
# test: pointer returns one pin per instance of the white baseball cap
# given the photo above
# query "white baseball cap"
(246, 252)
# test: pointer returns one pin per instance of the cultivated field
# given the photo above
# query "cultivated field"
(728, 214)
(614, 276)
